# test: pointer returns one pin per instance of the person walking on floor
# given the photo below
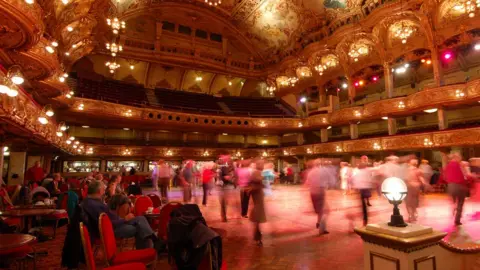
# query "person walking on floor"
(187, 177)
(458, 186)
(244, 173)
(415, 182)
(362, 180)
(164, 176)
(208, 175)
(257, 214)
(318, 180)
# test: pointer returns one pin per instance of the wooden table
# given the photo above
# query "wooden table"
(25, 214)
(11, 241)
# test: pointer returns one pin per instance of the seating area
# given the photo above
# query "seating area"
(179, 100)
(111, 91)
(136, 95)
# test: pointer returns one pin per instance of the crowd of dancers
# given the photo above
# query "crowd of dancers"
(254, 179)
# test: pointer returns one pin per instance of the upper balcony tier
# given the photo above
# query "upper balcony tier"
(439, 97)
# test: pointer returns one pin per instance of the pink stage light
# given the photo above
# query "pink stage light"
(374, 78)
(447, 55)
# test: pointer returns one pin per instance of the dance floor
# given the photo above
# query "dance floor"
(290, 238)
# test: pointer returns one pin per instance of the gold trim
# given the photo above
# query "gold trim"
(416, 262)
(385, 257)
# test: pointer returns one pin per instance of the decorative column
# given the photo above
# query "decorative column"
(300, 139)
(322, 97)
(1, 161)
(352, 92)
(437, 68)
(145, 165)
(17, 166)
(324, 135)
(103, 165)
(413, 247)
(353, 131)
(158, 35)
(392, 126)
(387, 73)
(245, 141)
(224, 46)
(279, 138)
(442, 119)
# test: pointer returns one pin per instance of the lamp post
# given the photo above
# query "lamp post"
(395, 190)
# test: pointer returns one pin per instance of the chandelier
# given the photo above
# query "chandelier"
(213, 2)
(403, 30)
(271, 89)
(112, 66)
(114, 48)
(303, 72)
(468, 7)
(357, 50)
(116, 25)
(326, 62)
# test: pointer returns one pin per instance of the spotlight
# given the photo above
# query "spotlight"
(43, 120)
(15, 75)
(429, 62)
(344, 85)
(357, 84)
(447, 55)
(423, 60)
(54, 44)
(59, 134)
(329, 127)
(361, 82)
(12, 92)
(385, 117)
(477, 47)
(303, 99)
(400, 70)
(431, 110)
(69, 28)
(132, 67)
(374, 78)
(407, 65)
(67, 53)
(29, 2)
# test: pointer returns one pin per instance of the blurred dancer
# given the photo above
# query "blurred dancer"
(362, 181)
(257, 214)
(426, 170)
(226, 177)
(457, 184)
(414, 181)
(187, 177)
(244, 173)
(154, 176)
(268, 175)
(317, 180)
(164, 176)
(345, 175)
(208, 175)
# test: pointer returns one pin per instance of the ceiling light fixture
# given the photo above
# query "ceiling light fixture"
(213, 2)
(112, 66)
(431, 110)
(69, 28)
(114, 48)
(15, 75)
(116, 25)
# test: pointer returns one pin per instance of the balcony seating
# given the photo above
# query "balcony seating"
(136, 95)
(111, 91)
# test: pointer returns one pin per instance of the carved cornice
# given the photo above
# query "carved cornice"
(21, 24)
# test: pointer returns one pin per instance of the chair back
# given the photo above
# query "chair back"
(142, 204)
(165, 218)
(155, 200)
(64, 201)
(107, 237)
(87, 247)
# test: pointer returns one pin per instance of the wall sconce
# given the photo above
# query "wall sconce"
(128, 113)
(89, 151)
(431, 110)
(206, 153)
(309, 151)
(69, 94)
(238, 154)
(81, 106)
(15, 75)
(285, 153)
(300, 125)
(169, 153)
(262, 124)
(427, 142)
(401, 105)
(338, 148)
(48, 110)
(8, 88)
(358, 114)
(377, 146)
(395, 190)
(459, 93)
(324, 120)
(127, 152)
(264, 154)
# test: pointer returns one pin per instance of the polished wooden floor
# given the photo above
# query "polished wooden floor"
(290, 238)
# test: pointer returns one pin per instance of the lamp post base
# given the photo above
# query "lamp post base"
(397, 221)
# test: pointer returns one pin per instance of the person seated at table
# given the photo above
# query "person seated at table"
(54, 186)
(113, 187)
(129, 226)
(120, 204)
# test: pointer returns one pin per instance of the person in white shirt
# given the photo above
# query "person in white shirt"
(345, 175)
(319, 178)
(164, 176)
(363, 181)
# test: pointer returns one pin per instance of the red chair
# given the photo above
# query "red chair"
(90, 258)
(155, 200)
(142, 204)
(165, 218)
(147, 256)
(19, 254)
